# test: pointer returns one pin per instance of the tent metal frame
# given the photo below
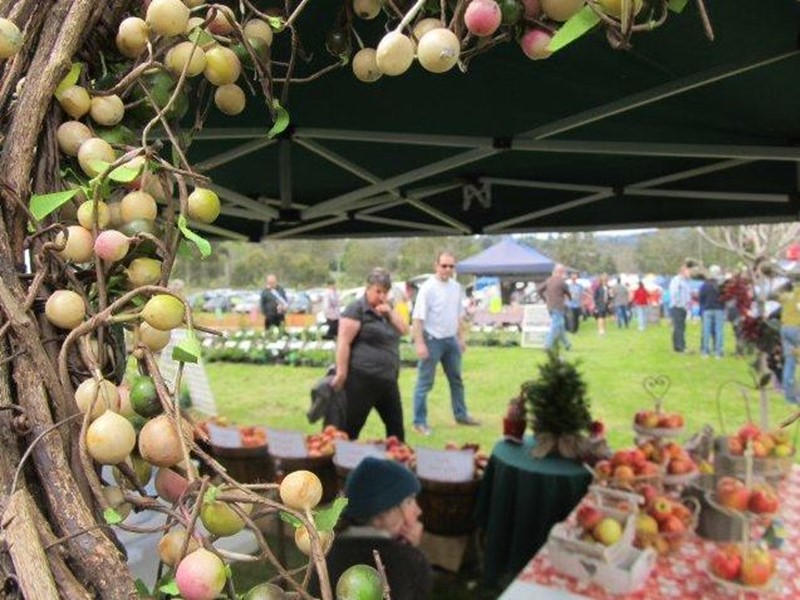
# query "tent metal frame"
(381, 194)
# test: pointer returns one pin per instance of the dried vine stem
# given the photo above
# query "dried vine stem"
(32, 446)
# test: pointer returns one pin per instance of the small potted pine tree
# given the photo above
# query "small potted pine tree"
(559, 408)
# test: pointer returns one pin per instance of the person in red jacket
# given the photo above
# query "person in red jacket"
(640, 305)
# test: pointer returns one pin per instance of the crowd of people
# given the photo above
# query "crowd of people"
(693, 292)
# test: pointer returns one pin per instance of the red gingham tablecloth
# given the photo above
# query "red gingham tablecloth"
(682, 575)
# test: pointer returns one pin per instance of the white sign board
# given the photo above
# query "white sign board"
(224, 437)
(194, 375)
(286, 444)
(349, 454)
(446, 465)
(535, 325)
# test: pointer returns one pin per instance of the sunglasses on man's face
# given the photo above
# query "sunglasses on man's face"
(447, 266)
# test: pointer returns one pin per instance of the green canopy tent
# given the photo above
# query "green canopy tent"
(679, 130)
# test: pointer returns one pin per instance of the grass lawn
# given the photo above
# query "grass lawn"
(613, 365)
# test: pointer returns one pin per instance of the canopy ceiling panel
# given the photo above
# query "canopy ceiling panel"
(679, 130)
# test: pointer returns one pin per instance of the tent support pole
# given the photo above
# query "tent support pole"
(234, 153)
(494, 227)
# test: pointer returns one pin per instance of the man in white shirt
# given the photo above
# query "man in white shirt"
(438, 330)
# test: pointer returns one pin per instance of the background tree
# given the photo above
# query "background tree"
(749, 242)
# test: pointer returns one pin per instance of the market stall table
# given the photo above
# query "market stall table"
(520, 498)
(680, 575)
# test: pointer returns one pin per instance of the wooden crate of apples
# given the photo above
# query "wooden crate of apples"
(603, 526)
(596, 542)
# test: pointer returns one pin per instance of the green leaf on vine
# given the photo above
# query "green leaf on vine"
(170, 587)
(326, 519)
(42, 205)
(211, 494)
(578, 24)
(99, 166)
(201, 36)
(69, 80)
(291, 519)
(124, 174)
(141, 588)
(111, 516)
(188, 349)
(677, 6)
(118, 135)
(201, 243)
(276, 23)
(185, 249)
(281, 119)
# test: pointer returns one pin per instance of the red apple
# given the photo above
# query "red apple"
(747, 432)
(621, 457)
(661, 508)
(649, 449)
(680, 466)
(757, 567)
(735, 446)
(624, 474)
(648, 469)
(673, 450)
(726, 562)
(762, 499)
(732, 494)
(671, 524)
(588, 517)
(649, 492)
(637, 458)
(603, 468)
(682, 512)
(677, 420)
(759, 450)
(766, 440)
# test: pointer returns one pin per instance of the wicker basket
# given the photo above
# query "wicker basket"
(321, 466)
(448, 508)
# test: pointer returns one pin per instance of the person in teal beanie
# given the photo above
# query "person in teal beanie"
(382, 514)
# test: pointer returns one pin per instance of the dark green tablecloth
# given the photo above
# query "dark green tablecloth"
(519, 500)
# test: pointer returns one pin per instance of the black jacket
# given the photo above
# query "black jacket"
(269, 303)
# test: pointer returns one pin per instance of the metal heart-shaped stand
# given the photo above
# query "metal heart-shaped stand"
(656, 387)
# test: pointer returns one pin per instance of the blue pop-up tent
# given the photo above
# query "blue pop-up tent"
(507, 258)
